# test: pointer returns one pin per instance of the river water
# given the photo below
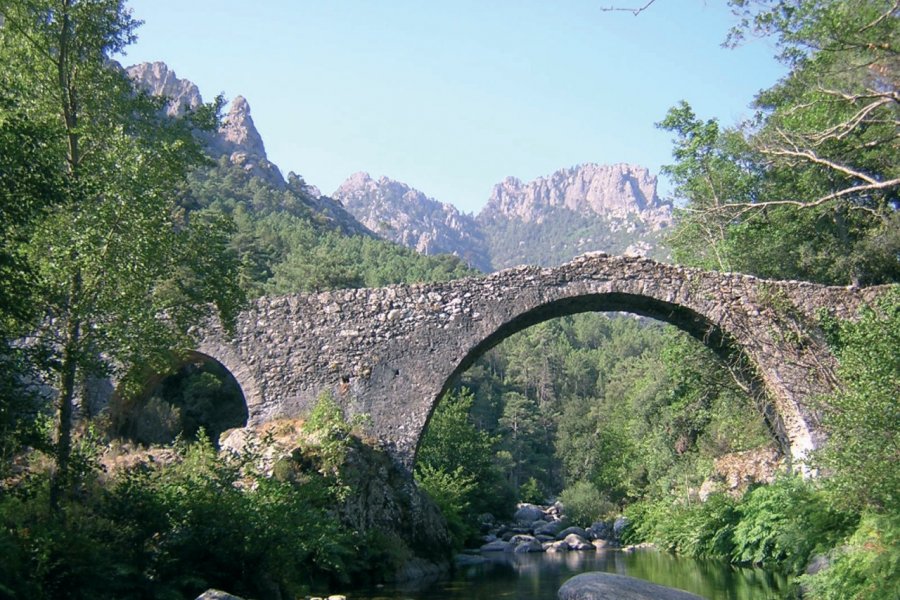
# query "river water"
(506, 576)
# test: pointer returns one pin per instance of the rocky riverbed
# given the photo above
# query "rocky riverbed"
(538, 528)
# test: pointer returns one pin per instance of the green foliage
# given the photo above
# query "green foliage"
(866, 567)
(584, 504)
(172, 531)
(863, 448)
(453, 492)
(328, 435)
(454, 466)
(779, 525)
(808, 189)
(785, 522)
(531, 492)
(201, 394)
(558, 237)
(695, 529)
(109, 236)
(287, 241)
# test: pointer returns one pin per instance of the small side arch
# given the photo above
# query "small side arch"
(197, 391)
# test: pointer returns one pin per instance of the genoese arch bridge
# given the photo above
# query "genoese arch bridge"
(391, 352)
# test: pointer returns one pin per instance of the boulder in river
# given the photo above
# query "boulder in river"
(570, 530)
(212, 594)
(528, 513)
(609, 586)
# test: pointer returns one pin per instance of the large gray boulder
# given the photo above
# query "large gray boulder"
(549, 528)
(212, 594)
(609, 586)
(570, 530)
(528, 513)
(497, 546)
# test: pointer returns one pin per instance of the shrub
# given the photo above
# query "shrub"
(531, 492)
(702, 529)
(785, 522)
(866, 568)
(451, 491)
(583, 503)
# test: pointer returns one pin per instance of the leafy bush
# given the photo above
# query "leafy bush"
(861, 420)
(170, 531)
(866, 568)
(531, 492)
(785, 522)
(583, 503)
(703, 529)
(451, 491)
(455, 467)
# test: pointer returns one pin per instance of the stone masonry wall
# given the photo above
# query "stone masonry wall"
(390, 352)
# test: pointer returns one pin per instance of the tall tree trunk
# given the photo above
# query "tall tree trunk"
(72, 339)
(59, 483)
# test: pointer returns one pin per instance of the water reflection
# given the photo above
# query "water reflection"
(539, 576)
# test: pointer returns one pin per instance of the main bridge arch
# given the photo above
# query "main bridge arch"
(391, 352)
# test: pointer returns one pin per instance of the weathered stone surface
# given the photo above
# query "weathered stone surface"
(619, 191)
(577, 542)
(217, 595)
(619, 526)
(601, 530)
(531, 545)
(569, 530)
(560, 546)
(390, 352)
(609, 586)
(550, 528)
(735, 472)
(497, 546)
(528, 513)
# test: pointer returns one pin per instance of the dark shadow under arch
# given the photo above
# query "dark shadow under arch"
(197, 391)
(691, 322)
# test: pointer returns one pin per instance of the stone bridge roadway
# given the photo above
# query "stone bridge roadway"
(391, 352)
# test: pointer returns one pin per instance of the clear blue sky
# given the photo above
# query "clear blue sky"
(452, 96)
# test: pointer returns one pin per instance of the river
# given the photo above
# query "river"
(538, 576)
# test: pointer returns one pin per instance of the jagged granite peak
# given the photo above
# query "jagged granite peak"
(616, 191)
(237, 138)
(407, 216)
(239, 131)
(159, 80)
(589, 207)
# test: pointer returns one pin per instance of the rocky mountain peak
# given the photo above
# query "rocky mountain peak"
(237, 138)
(159, 80)
(239, 131)
(405, 215)
(610, 191)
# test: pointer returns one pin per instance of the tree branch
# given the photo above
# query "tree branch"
(796, 152)
(878, 185)
(634, 11)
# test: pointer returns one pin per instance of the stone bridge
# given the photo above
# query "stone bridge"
(391, 352)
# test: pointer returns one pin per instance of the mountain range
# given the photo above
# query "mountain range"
(588, 207)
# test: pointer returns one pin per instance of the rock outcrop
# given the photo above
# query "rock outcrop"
(237, 138)
(609, 586)
(240, 144)
(614, 208)
(610, 191)
(158, 80)
(381, 503)
(586, 208)
(407, 216)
